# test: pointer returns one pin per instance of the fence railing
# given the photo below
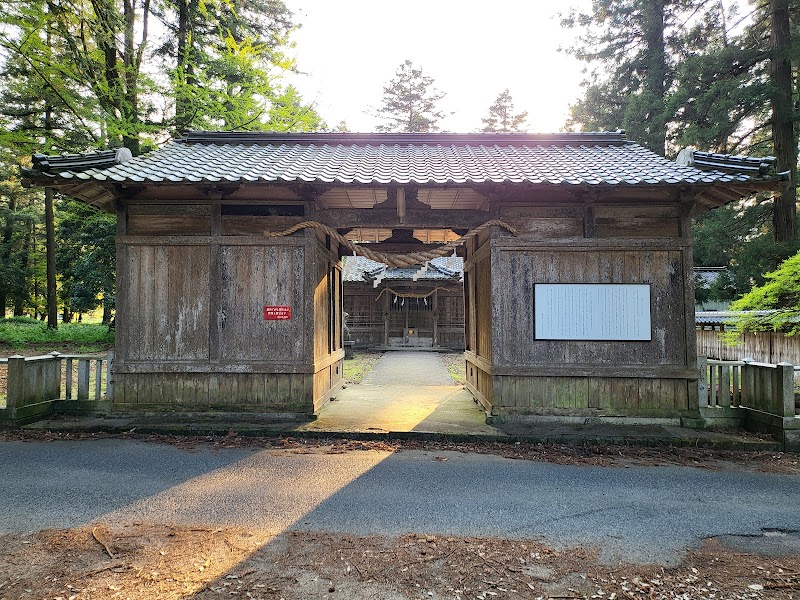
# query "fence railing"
(40, 379)
(747, 384)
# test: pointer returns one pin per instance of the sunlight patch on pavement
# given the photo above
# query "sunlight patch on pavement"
(388, 408)
(269, 490)
(266, 493)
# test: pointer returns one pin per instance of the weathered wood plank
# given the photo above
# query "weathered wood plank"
(147, 225)
(381, 218)
(83, 379)
(256, 225)
(177, 210)
(284, 389)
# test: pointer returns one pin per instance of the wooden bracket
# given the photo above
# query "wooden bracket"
(308, 191)
(589, 198)
(127, 191)
(215, 192)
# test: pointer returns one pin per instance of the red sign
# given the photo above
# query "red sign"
(277, 313)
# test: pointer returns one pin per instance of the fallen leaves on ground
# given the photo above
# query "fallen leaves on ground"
(576, 454)
(148, 561)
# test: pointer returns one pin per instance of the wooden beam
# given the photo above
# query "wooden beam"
(381, 218)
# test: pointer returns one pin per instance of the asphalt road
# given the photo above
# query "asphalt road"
(639, 514)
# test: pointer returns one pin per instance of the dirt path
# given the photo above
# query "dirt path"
(143, 562)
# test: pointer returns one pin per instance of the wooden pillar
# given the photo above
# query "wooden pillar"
(405, 319)
(386, 320)
(15, 395)
(785, 385)
(435, 308)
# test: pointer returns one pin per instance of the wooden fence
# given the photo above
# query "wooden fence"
(763, 387)
(765, 347)
(34, 383)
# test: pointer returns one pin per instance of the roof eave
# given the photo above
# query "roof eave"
(103, 193)
(714, 195)
(95, 193)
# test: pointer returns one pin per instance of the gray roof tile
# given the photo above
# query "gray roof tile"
(572, 159)
(361, 269)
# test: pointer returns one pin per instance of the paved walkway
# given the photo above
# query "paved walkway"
(405, 391)
(409, 369)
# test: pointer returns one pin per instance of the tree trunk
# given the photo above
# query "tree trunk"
(19, 296)
(50, 236)
(655, 75)
(5, 254)
(130, 101)
(50, 242)
(783, 140)
(185, 77)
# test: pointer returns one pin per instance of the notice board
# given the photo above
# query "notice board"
(592, 311)
(277, 313)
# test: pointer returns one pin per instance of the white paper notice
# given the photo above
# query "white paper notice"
(581, 311)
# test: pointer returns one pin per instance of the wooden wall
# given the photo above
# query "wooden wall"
(480, 322)
(512, 373)
(366, 317)
(192, 285)
(327, 326)
(450, 317)
(195, 273)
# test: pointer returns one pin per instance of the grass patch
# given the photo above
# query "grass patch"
(17, 334)
(456, 367)
(358, 367)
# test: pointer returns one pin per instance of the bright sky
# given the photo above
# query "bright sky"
(350, 49)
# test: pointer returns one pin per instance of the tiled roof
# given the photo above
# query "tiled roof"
(361, 269)
(707, 275)
(728, 163)
(354, 267)
(379, 159)
(722, 317)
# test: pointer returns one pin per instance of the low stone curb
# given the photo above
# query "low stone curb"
(285, 429)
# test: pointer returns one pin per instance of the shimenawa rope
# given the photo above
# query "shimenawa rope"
(394, 260)
(417, 296)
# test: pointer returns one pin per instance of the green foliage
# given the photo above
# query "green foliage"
(21, 321)
(224, 59)
(288, 113)
(410, 102)
(674, 73)
(739, 237)
(74, 75)
(720, 102)
(18, 334)
(723, 289)
(671, 74)
(20, 255)
(86, 260)
(780, 293)
(632, 48)
(74, 79)
(501, 116)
